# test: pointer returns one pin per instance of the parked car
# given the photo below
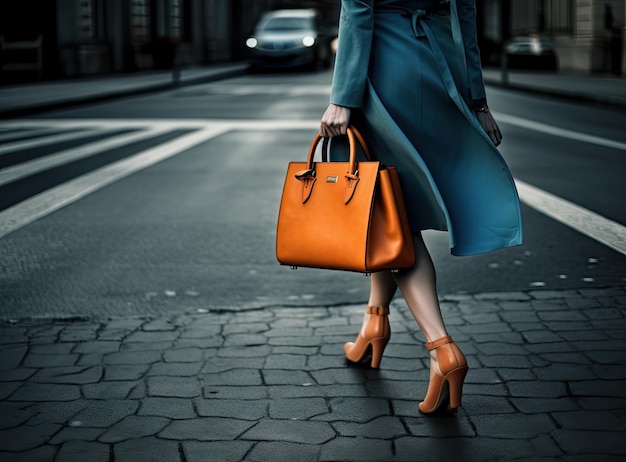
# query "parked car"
(290, 38)
(531, 53)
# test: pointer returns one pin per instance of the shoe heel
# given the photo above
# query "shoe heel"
(455, 386)
(378, 347)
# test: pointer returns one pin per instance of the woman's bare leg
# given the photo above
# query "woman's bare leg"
(418, 286)
(382, 289)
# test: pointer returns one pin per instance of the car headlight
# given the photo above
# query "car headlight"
(308, 41)
(252, 42)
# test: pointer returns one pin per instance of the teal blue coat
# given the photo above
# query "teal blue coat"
(411, 71)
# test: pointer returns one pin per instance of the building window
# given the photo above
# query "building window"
(139, 20)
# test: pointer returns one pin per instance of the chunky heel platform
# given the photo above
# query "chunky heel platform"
(453, 366)
(371, 342)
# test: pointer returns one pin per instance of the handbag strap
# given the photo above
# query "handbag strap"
(359, 138)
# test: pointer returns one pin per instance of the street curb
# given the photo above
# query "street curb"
(218, 75)
(562, 94)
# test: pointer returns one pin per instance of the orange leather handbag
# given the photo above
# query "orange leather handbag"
(343, 215)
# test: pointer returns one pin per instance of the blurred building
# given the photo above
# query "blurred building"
(64, 38)
(47, 39)
(588, 35)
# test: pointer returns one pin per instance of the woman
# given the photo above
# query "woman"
(408, 75)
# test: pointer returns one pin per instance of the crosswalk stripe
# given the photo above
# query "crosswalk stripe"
(34, 166)
(585, 221)
(44, 140)
(66, 193)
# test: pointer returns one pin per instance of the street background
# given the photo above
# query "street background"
(146, 318)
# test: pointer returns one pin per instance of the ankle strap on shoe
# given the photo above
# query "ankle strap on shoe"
(439, 342)
(379, 310)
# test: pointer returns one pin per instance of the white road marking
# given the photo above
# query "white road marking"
(556, 131)
(585, 221)
(55, 198)
(25, 169)
(35, 142)
(12, 134)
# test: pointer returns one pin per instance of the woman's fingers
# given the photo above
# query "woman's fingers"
(335, 121)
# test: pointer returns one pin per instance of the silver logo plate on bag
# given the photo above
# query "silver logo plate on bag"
(331, 179)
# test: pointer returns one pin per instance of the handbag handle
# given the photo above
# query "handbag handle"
(307, 177)
(359, 138)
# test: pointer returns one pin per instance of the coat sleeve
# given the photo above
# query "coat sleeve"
(467, 20)
(356, 23)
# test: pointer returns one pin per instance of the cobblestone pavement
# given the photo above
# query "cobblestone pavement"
(546, 383)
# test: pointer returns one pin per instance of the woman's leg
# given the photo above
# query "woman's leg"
(418, 286)
(382, 289)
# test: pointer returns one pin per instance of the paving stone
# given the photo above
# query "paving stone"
(537, 389)
(183, 355)
(603, 313)
(462, 449)
(96, 347)
(516, 374)
(236, 377)
(395, 390)
(36, 360)
(45, 392)
(610, 371)
(357, 410)
(42, 453)
(444, 425)
(146, 346)
(83, 450)
(231, 451)
(16, 375)
(338, 360)
(56, 412)
(217, 365)
(326, 391)
(285, 362)
(590, 442)
(479, 405)
(498, 348)
(13, 414)
(134, 357)
(512, 426)
(26, 437)
(76, 375)
(278, 377)
(595, 403)
(176, 387)
(125, 372)
(247, 328)
(564, 372)
(133, 427)
(497, 361)
(149, 337)
(568, 316)
(357, 449)
(296, 350)
(614, 389)
(158, 325)
(233, 392)
(242, 409)
(53, 349)
(91, 359)
(296, 341)
(206, 429)
(298, 409)
(13, 335)
(381, 428)
(146, 450)
(589, 420)
(566, 358)
(293, 431)
(76, 434)
(339, 376)
(108, 390)
(175, 369)
(247, 340)
(259, 351)
(80, 333)
(7, 388)
(105, 413)
(171, 408)
(544, 405)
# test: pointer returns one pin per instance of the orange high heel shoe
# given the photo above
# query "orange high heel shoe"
(453, 366)
(375, 338)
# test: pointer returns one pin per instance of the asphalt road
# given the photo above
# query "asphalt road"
(179, 213)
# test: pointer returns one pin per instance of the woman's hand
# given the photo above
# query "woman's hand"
(335, 121)
(490, 126)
